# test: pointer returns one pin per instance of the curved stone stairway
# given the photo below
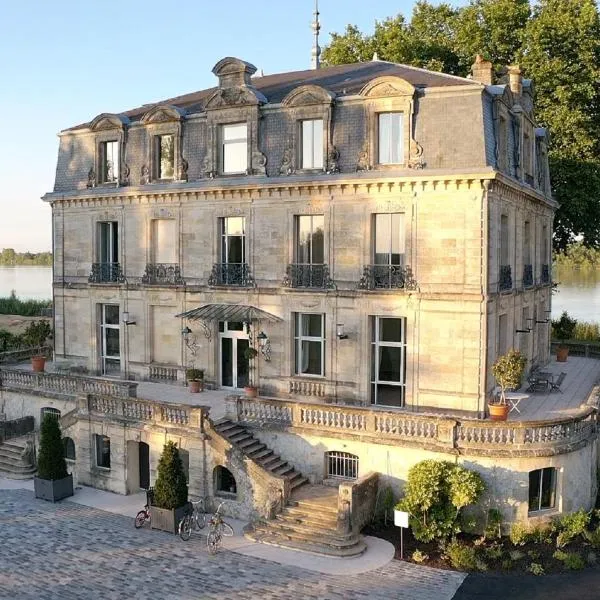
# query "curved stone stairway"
(309, 522)
(12, 463)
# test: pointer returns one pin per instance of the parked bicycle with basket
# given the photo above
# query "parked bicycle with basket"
(194, 520)
(218, 529)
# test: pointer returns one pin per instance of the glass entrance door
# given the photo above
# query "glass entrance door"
(234, 364)
(110, 343)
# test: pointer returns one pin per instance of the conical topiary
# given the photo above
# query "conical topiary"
(170, 489)
(51, 458)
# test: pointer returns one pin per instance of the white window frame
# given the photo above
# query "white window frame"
(376, 344)
(103, 327)
(158, 175)
(541, 508)
(224, 240)
(241, 142)
(297, 222)
(111, 256)
(401, 238)
(389, 160)
(311, 144)
(299, 338)
(113, 145)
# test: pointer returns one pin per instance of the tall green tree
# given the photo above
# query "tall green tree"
(556, 43)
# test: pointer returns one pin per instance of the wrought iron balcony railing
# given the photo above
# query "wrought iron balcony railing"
(382, 277)
(106, 273)
(307, 276)
(545, 278)
(162, 274)
(527, 275)
(505, 281)
(231, 274)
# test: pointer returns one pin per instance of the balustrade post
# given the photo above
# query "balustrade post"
(519, 435)
(233, 408)
(446, 432)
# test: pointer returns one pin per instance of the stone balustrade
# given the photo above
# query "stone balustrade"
(18, 356)
(436, 432)
(147, 411)
(66, 384)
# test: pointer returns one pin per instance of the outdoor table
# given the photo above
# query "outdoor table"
(513, 399)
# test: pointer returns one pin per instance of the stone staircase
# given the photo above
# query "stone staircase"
(12, 464)
(309, 522)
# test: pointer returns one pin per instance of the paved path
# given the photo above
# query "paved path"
(67, 551)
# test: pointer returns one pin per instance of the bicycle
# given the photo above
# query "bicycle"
(145, 515)
(194, 519)
(218, 529)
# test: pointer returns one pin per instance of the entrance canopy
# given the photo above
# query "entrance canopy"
(229, 312)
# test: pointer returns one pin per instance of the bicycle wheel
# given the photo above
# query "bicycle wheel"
(226, 529)
(185, 528)
(140, 518)
(212, 542)
(201, 520)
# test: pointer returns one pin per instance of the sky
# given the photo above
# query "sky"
(66, 61)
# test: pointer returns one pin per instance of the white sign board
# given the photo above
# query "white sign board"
(401, 519)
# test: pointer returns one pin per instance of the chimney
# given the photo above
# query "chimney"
(482, 71)
(515, 79)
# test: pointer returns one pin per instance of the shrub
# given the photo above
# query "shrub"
(536, 569)
(519, 534)
(170, 489)
(419, 556)
(572, 560)
(570, 526)
(564, 328)
(507, 564)
(194, 374)
(559, 555)
(493, 527)
(494, 552)
(461, 556)
(26, 308)
(508, 370)
(435, 493)
(587, 332)
(593, 537)
(37, 332)
(51, 458)
(516, 555)
(387, 503)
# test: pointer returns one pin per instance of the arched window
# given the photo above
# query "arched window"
(69, 446)
(224, 481)
(49, 410)
(341, 465)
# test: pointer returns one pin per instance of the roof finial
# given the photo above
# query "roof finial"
(316, 27)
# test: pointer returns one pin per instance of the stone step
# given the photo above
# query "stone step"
(10, 453)
(10, 467)
(256, 447)
(269, 460)
(246, 443)
(310, 506)
(297, 481)
(227, 426)
(262, 454)
(310, 533)
(274, 465)
(239, 437)
(283, 470)
(318, 518)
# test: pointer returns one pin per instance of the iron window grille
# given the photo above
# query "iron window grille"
(342, 465)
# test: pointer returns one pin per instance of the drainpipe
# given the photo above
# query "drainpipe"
(483, 339)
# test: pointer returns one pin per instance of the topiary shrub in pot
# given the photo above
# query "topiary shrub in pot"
(195, 379)
(563, 329)
(170, 491)
(52, 481)
(36, 336)
(508, 371)
(251, 389)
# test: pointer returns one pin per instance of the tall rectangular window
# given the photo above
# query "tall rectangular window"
(234, 139)
(527, 242)
(504, 256)
(310, 243)
(102, 451)
(233, 240)
(542, 489)
(312, 144)
(502, 336)
(109, 162)
(110, 350)
(164, 156)
(309, 336)
(391, 138)
(388, 361)
(108, 242)
(388, 242)
(164, 241)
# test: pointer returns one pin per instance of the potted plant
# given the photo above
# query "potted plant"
(195, 379)
(35, 336)
(169, 504)
(563, 329)
(508, 371)
(52, 481)
(250, 354)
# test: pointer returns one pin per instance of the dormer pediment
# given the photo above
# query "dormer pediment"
(386, 87)
(107, 121)
(307, 95)
(237, 96)
(162, 113)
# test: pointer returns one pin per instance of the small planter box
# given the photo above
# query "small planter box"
(167, 519)
(53, 490)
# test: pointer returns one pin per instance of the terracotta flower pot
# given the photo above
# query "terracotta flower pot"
(251, 391)
(562, 352)
(38, 363)
(195, 386)
(498, 412)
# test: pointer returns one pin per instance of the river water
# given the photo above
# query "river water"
(578, 291)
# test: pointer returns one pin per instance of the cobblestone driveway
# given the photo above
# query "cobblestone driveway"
(71, 552)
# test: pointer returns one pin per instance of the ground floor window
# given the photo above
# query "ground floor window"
(224, 481)
(341, 465)
(542, 489)
(69, 447)
(48, 410)
(309, 337)
(102, 451)
(388, 361)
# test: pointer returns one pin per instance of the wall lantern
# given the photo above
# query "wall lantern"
(126, 320)
(264, 344)
(190, 340)
(340, 332)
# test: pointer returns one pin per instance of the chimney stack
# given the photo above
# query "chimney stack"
(515, 80)
(482, 71)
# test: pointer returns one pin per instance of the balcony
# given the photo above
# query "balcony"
(505, 281)
(307, 276)
(545, 278)
(162, 274)
(106, 273)
(387, 277)
(234, 274)
(527, 275)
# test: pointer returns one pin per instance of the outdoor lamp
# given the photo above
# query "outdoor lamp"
(264, 345)
(190, 342)
(185, 332)
(126, 320)
(340, 332)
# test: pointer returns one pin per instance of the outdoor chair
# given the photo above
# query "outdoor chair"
(555, 385)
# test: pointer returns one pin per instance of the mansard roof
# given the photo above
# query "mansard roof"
(339, 80)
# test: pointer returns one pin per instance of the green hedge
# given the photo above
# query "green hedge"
(25, 308)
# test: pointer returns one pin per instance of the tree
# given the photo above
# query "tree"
(51, 459)
(170, 489)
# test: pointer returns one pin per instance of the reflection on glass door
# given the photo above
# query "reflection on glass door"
(388, 361)
(234, 363)
(109, 339)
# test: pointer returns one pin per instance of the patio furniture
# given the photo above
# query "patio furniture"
(539, 381)
(555, 385)
(513, 399)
